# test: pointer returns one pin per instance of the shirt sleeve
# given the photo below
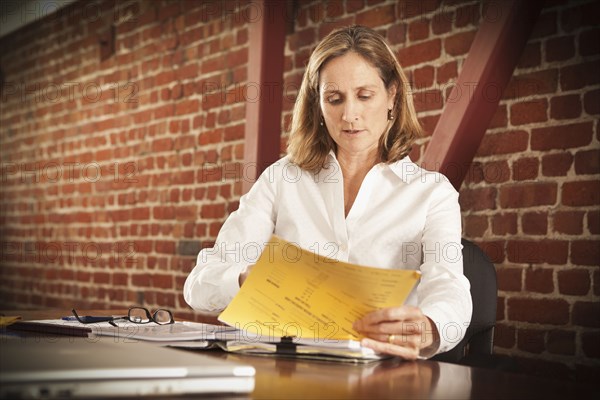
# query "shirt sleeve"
(213, 282)
(444, 292)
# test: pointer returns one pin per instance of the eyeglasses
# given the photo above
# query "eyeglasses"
(137, 315)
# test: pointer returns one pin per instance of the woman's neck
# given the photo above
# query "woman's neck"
(356, 165)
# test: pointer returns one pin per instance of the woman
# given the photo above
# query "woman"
(348, 190)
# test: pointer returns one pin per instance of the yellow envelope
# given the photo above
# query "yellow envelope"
(294, 292)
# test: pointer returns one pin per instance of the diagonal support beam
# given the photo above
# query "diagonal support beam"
(266, 36)
(494, 54)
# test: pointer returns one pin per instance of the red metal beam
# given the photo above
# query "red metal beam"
(266, 37)
(496, 49)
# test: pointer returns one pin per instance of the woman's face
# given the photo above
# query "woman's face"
(354, 102)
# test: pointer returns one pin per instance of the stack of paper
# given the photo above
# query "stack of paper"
(294, 302)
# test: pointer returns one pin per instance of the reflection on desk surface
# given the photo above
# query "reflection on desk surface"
(286, 378)
(279, 377)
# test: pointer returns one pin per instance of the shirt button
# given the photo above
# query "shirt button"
(343, 247)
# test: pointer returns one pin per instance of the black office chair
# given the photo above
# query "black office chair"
(479, 338)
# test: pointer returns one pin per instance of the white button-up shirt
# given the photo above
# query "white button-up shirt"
(403, 217)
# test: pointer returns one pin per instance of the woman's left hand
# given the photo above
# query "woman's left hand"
(402, 331)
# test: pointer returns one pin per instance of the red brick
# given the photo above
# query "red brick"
(562, 136)
(429, 123)
(586, 313)
(500, 118)
(538, 252)
(525, 169)
(500, 315)
(325, 29)
(528, 195)
(531, 340)
(585, 252)
(427, 100)
(580, 75)
(589, 44)
(186, 213)
(568, 222)
(211, 211)
(494, 249)
(469, 14)
(528, 112)
(187, 107)
(556, 164)
(593, 222)
(396, 34)
(164, 247)
(418, 29)
(503, 143)
(574, 282)
(354, 5)
(140, 213)
(301, 38)
(531, 57)
(581, 193)
(120, 279)
(101, 277)
(447, 72)
(140, 280)
(561, 342)
(591, 102)
(534, 223)
(560, 49)
(565, 107)
(161, 281)
(539, 280)
(580, 15)
(504, 336)
(442, 23)
(478, 199)
(423, 77)
(475, 225)
(587, 162)
(504, 224)
(420, 53)
(377, 16)
(459, 43)
(541, 311)
(510, 279)
(234, 132)
(167, 212)
(410, 9)
(546, 25)
(532, 84)
(590, 344)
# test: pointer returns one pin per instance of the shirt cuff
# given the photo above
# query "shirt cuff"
(450, 332)
(231, 282)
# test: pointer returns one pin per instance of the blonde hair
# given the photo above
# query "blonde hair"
(309, 142)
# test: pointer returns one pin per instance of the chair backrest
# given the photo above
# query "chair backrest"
(481, 273)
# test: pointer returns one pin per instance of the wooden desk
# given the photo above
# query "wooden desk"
(285, 378)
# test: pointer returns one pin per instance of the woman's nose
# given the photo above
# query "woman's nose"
(351, 110)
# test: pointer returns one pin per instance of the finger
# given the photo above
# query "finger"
(399, 327)
(407, 353)
(391, 314)
(410, 341)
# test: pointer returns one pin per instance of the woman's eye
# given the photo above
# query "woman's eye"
(334, 100)
(364, 97)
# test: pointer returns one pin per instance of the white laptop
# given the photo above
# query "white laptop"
(50, 367)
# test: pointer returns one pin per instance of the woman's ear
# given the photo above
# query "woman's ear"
(392, 95)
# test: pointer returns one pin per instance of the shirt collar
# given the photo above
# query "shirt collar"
(404, 169)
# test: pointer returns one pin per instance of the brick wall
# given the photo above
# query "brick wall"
(115, 172)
